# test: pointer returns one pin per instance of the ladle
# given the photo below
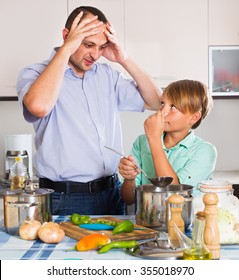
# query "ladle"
(156, 181)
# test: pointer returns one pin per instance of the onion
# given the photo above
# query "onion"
(29, 229)
(50, 232)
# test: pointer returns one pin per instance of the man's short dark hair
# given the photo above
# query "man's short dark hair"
(86, 10)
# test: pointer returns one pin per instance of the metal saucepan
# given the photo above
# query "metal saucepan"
(20, 205)
(152, 209)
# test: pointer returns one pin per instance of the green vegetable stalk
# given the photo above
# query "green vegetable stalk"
(125, 226)
(118, 244)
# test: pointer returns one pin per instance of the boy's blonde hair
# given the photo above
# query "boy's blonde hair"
(190, 96)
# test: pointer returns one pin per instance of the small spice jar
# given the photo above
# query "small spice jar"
(228, 208)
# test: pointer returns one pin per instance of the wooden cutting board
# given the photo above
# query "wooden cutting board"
(77, 233)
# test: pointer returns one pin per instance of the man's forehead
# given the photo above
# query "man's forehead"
(98, 39)
(91, 16)
(102, 27)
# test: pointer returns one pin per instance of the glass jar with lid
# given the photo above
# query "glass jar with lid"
(18, 174)
(228, 208)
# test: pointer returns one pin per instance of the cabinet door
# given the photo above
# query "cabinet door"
(168, 38)
(114, 12)
(29, 31)
(223, 22)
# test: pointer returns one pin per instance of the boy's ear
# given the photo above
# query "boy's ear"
(195, 117)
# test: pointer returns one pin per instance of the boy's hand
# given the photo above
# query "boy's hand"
(128, 168)
(154, 126)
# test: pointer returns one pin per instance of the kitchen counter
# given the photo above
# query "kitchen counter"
(14, 248)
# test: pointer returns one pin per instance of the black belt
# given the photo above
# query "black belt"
(91, 187)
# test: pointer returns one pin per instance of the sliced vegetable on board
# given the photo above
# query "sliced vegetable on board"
(77, 219)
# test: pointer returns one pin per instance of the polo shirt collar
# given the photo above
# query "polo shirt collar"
(186, 142)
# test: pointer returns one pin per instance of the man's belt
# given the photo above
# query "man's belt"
(91, 187)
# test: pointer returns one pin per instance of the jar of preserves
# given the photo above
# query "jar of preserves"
(228, 208)
(18, 174)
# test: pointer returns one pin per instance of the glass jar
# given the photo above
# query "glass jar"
(228, 209)
(18, 174)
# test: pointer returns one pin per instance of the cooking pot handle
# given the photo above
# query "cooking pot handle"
(21, 204)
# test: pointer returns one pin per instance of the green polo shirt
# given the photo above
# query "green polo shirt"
(193, 159)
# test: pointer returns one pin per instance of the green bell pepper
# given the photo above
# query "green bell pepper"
(125, 226)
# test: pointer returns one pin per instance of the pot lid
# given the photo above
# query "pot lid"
(179, 187)
(150, 188)
(170, 188)
(25, 192)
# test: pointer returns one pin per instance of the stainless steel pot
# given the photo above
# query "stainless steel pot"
(152, 208)
(20, 205)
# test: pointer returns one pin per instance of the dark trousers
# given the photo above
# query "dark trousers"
(106, 202)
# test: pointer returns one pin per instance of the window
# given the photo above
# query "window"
(224, 70)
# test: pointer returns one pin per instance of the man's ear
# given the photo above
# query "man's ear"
(65, 33)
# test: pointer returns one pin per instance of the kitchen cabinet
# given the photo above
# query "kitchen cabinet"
(160, 34)
(29, 31)
(168, 38)
(223, 22)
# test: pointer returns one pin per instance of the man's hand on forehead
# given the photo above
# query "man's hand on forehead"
(109, 28)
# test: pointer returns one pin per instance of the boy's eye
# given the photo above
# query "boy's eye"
(173, 107)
